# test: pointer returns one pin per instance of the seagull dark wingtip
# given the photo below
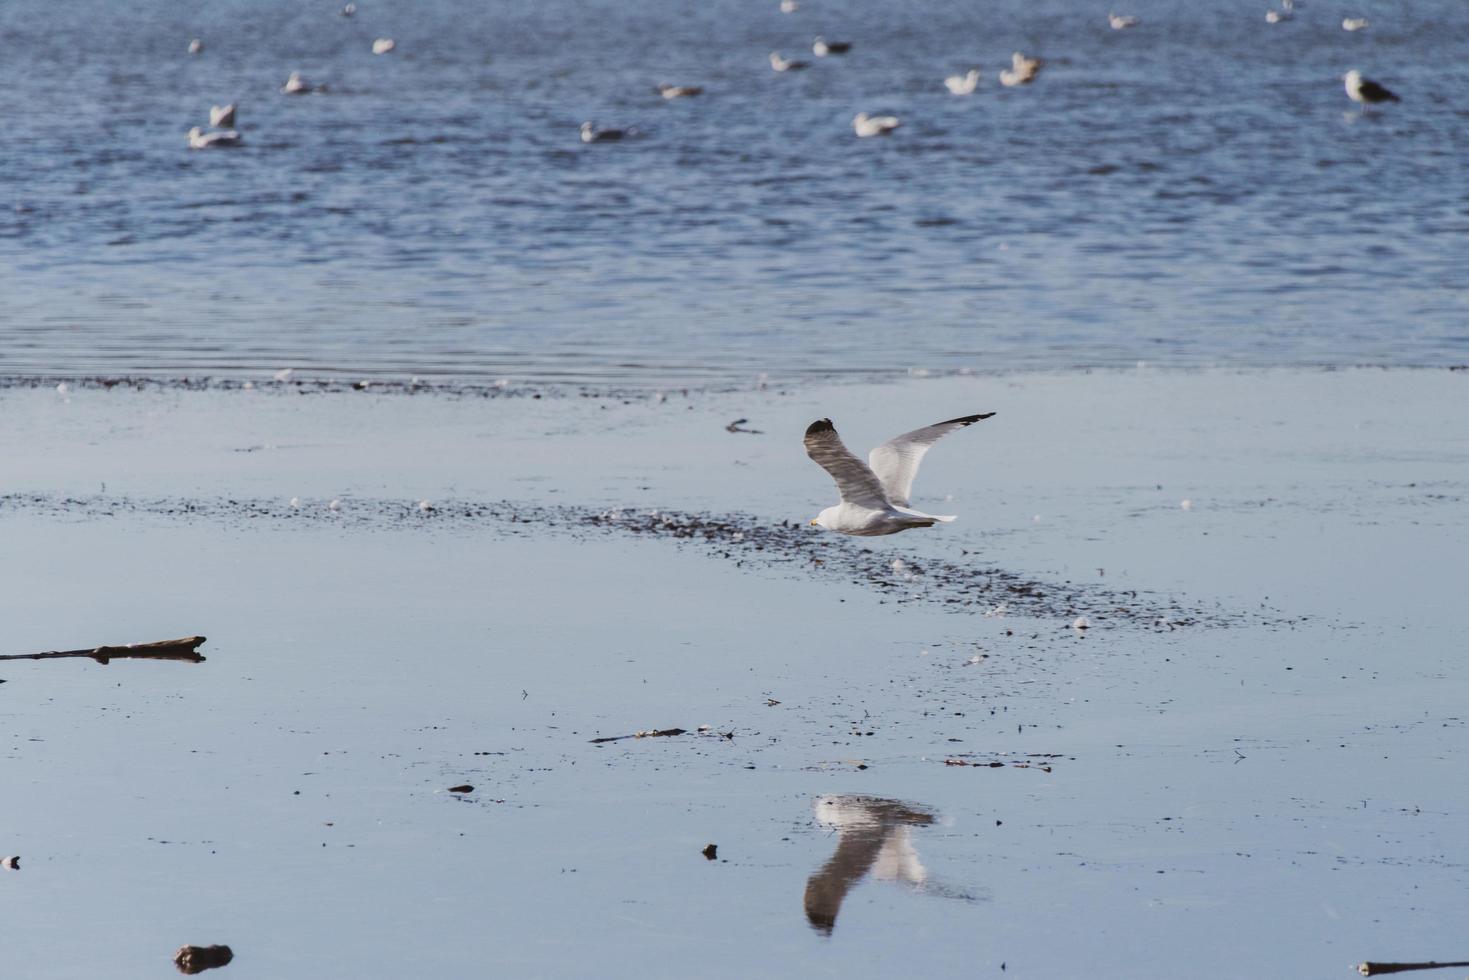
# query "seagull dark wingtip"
(968, 419)
(820, 425)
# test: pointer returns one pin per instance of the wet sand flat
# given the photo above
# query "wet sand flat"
(1248, 766)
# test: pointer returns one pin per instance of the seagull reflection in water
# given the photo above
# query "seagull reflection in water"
(873, 837)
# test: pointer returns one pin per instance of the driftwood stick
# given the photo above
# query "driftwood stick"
(180, 649)
(655, 733)
(1377, 969)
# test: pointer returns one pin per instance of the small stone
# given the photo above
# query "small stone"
(465, 788)
(710, 851)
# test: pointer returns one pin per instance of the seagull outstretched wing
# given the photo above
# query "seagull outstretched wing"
(896, 461)
(858, 484)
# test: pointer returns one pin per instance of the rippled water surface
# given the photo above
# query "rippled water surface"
(1197, 190)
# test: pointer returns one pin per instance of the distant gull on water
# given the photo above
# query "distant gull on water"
(1022, 70)
(222, 115)
(1364, 91)
(821, 47)
(679, 91)
(591, 134)
(383, 45)
(200, 140)
(777, 63)
(348, 10)
(1276, 16)
(865, 125)
(1354, 24)
(875, 494)
(296, 85)
(1121, 22)
(962, 84)
(195, 46)
(789, 6)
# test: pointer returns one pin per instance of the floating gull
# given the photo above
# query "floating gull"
(962, 84)
(200, 140)
(789, 6)
(866, 125)
(296, 85)
(1354, 23)
(875, 495)
(222, 115)
(348, 10)
(591, 134)
(383, 45)
(821, 47)
(778, 63)
(195, 46)
(1276, 16)
(1120, 22)
(679, 91)
(1022, 70)
(1365, 92)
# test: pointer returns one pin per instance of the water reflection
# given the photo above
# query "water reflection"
(874, 836)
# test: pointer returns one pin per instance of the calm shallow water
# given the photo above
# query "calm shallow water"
(1194, 191)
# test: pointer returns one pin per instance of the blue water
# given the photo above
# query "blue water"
(1195, 191)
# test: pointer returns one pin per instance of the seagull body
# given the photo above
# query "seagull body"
(591, 134)
(383, 45)
(962, 84)
(348, 10)
(1276, 16)
(1354, 23)
(1121, 22)
(222, 115)
(1022, 70)
(296, 85)
(789, 6)
(1364, 91)
(679, 91)
(875, 494)
(866, 125)
(821, 47)
(196, 46)
(200, 140)
(777, 63)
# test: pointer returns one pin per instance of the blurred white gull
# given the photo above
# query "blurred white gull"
(821, 47)
(296, 85)
(1364, 91)
(222, 115)
(777, 63)
(875, 494)
(866, 125)
(200, 140)
(1022, 70)
(348, 10)
(591, 134)
(383, 45)
(962, 84)
(1120, 22)
(789, 6)
(679, 91)
(195, 46)
(1276, 16)
(1354, 23)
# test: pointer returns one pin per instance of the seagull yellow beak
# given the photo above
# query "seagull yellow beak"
(812, 521)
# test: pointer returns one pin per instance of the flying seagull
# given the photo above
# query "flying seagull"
(222, 115)
(1365, 92)
(875, 494)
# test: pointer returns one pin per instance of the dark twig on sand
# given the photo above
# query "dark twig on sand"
(1377, 969)
(738, 425)
(652, 734)
(181, 649)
